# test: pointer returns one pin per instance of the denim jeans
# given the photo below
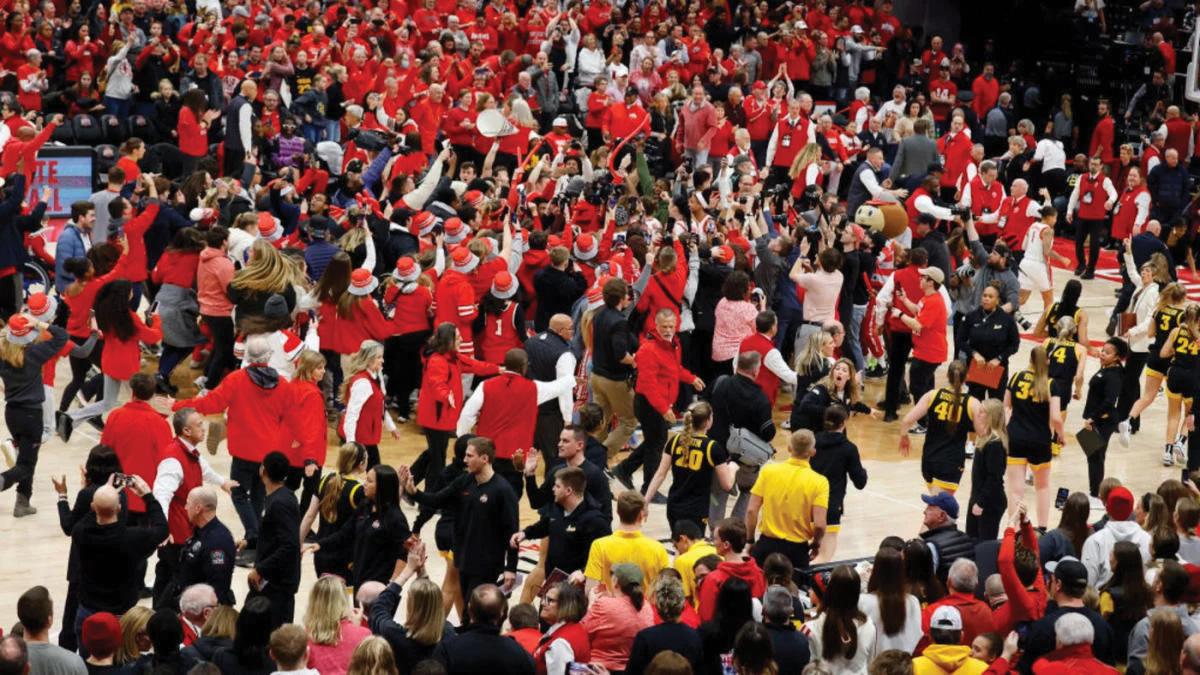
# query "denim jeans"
(851, 347)
(699, 157)
(117, 107)
(248, 496)
(333, 130)
(312, 132)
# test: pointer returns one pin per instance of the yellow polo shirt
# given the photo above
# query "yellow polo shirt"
(684, 562)
(789, 491)
(621, 546)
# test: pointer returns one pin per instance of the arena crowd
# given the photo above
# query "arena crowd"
(582, 252)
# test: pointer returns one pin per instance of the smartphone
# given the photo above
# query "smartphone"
(1060, 499)
(576, 668)
(121, 480)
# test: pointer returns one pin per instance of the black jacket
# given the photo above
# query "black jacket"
(112, 577)
(675, 637)
(950, 544)
(809, 412)
(612, 341)
(408, 652)
(992, 335)
(708, 294)
(23, 386)
(479, 648)
(599, 492)
(739, 401)
(1041, 640)
(557, 290)
(278, 560)
(571, 535)
(987, 476)
(837, 459)
(791, 647)
(1104, 389)
(485, 521)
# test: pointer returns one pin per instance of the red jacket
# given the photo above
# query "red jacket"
(346, 335)
(1102, 140)
(929, 343)
(17, 150)
(957, 151)
(177, 268)
(413, 311)
(441, 400)
(307, 424)
(575, 635)
(135, 232)
(1022, 605)
(747, 570)
(654, 298)
(1073, 660)
(976, 615)
(509, 413)
(660, 371)
(193, 141)
(455, 303)
(138, 434)
(257, 416)
(193, 477)
(121, 359)
(769, 381)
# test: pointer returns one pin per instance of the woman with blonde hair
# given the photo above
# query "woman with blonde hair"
(1166, 643)
(1033, 415)
(218, 633)
(266, 273)
(332, 632)
(362, 393)
(693, 459)
(425, 624)
(988, 503)
(1163, 320)
(22, 356)
(806, 169)
(814, 360)
(135, 640)
(353, 318)
(338, 496)
(373, 656)
(1182, 347)
(838, 387)
(308, 427)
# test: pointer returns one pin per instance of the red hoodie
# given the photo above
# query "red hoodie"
(747, 570)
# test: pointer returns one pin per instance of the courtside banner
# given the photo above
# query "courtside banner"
(68, 171)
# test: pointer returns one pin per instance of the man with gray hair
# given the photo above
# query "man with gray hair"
(1073, 638)
(671, 634)
(258, 404)
(195, 606)
(791, 646)
(180, 470)
(961, 581)
(1189, 657)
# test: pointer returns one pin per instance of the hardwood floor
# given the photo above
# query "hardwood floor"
(35, 550)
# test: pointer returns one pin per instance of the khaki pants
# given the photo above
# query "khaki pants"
(614, 397)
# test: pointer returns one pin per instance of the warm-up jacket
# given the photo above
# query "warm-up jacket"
(659, 371)
(257, 402)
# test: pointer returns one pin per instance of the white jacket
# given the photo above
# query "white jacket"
(1097, 550)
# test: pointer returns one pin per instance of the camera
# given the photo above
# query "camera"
(963, 212)
(599, 191)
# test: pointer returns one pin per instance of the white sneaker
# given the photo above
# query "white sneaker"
(1180, 451)
(1125, 430)
(200, 381)
(970, 450)
(1168, 457)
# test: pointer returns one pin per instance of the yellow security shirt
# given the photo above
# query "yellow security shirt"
(789, 491)
(633, 547)
(684, 562)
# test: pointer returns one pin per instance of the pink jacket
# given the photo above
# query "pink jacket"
(734, 321)
(698, 124)
(212, 280)
(335, 659)
(611, 624)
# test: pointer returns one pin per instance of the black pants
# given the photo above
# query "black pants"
(235, 161)
(469, 581)
(649, 453)
(509, 472)
(920, 381)
(795, 552)
(171, 357)
(898, 351)
(987, 526)
(283, 603)
(1095, 463)
(164, 575)
(248, 497)
(1131, 383)
(545, 435)
(222, 355)
(66, 634)
(25, 426)
(1091, 230)
(80, 367)
(310, 485)
(402, 365)
(12, 294)
(1193, 455)
(333, 375)
(1127, 291)
(429, 465)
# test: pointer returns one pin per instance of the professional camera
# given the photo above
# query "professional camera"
(599, 190)
(963, 212)
(810, 198)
